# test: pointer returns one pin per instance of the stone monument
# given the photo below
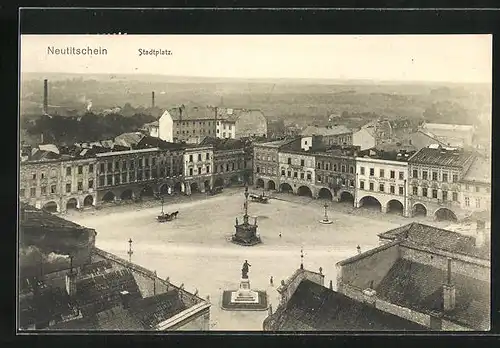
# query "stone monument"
(325, 219)
(246, 233)
(244, 298)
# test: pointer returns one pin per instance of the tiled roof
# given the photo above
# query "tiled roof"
(314, 307)
(189, 113)
(437, 238)
(420, 287)
(31, 216)
(151, 311)
(128, 139)
(276, 143)
(102, 291)
(223, 144)
(480, 171)
(151, 142)
(118, 318)
(441, 157)
(42, 155)
(232, 115)
(325, 131)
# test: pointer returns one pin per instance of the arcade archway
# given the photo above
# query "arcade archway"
(234, 180)
(206, 184)
(147, 191)
(271, 185)
(219, 182)
(419, 210)
(371, 203)
(304, 191)
(325, 193)
(126, 195)
(51, 207)
(346, 197)
(259, 183)
(164, 189)
(395, 207)
(178, 187)
(72, 203)
(445, 214)
(108, 197)
(88, 201)
(194, 187)
(284, 187)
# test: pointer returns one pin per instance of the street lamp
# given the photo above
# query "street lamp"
(130, 252)
(326, 220)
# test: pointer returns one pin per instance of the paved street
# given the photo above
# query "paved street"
(194, 249)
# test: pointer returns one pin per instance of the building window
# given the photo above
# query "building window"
(110, 166)
(434, 193)
(302, 175)
(53, 189)
(445, 196)
(445, 177)
(415, 190)
(467, 187)
(68, 171)
(309, 177)
(382, 173)
(199, 157)
(109, 180)
(401, 175)
(33, 176)
(132, 164)
(401, 190)
(68, 188)
(33, 192)
(91, 184)
(80, 185)
(342, 168)
(362, 185)
(372, 171)
(222, 168)
(124, 177)
(415, 173)
(80, 169)
(381, 187)
(101, 181)
(43, 190)
(454, 196)
(295, 175)
(227, 167)
(207, 156)
(362, 170)
(393, 174)
(132, 176)
(190, 158)
(371, 186)
(318, 177)
(289, 160)
(117, 179)
(424, 175)
(351, 183)
(208, 169)
(392, 189)
(232, 166)
(258, 170)
(42, 176)
(146, 162)
(319, 165)
(467, 201)
(282, 172)
(351, 169)
(117, 165)
(477, 188)
(434, 176)
(455, 177)
(424, 191)
(301, 162)
(289, 174)
(478, 203)
(191, 171)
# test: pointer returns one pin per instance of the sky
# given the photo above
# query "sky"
(433, 58)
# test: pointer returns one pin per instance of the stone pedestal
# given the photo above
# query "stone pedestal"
(244, 294)
(246, 234)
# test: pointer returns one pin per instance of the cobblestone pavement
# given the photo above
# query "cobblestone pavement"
(195, 249)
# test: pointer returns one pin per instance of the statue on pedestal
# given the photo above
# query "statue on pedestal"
(245, 269)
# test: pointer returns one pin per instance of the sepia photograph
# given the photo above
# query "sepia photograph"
(267, 183)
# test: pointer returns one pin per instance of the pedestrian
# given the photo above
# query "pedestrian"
(271, 281)
(280, 234)
(359, 249)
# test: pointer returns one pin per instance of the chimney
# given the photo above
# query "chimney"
(45, 96)
(153, 99)
(41, 138)
(448, 291)
(125, 297)
(71, 279)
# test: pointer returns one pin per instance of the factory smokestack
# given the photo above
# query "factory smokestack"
(45, 96)
(153, 99)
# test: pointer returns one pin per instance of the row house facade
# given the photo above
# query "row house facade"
(336, 174)
(476, 187)
(198, 168)
(297, 172)
(131, 174)
(265, 164)
(58, 185)
(383, 181)
(435, 188)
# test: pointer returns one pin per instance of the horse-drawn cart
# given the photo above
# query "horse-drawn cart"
(259, 198)
(215, 190)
